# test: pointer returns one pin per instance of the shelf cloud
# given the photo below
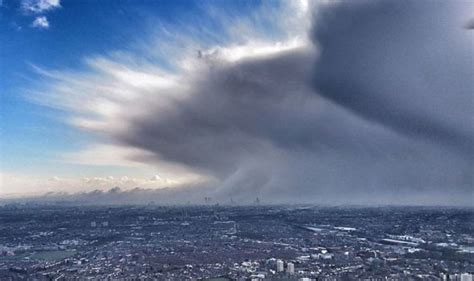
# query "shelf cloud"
(370, 102)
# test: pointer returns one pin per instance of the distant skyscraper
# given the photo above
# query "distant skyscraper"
(280, 266)
(290, 268)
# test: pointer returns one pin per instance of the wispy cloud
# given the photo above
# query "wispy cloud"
(40, 22)
(39, 6)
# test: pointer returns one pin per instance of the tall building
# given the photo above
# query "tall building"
(290, 268)
(280, 266)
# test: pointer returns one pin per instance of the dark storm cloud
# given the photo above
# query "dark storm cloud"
(470, 24)
(377, 108)
(382, 115)
(407, 65)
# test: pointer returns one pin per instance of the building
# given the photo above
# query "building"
(280, 266)
(290, 268)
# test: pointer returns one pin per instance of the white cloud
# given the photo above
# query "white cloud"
(40, 22)
(18, 184)
(104, 155)
(109, 155)
(155, 178)
(39, 6)
(252, 50)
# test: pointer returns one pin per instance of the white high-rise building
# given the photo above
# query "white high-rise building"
(290, 268)
(280, 266)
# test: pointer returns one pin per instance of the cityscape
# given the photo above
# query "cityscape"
(236, 140)
(253, 242)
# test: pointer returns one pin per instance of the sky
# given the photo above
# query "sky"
(289, 101)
